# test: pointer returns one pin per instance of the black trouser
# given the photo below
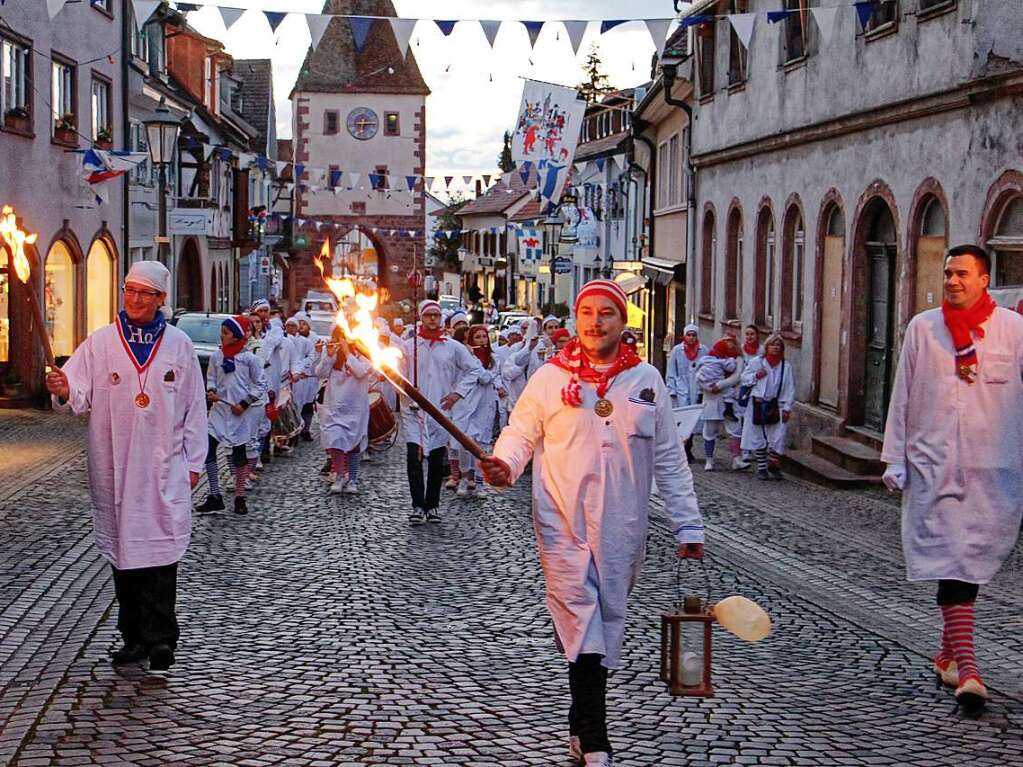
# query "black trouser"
(434, 477)
(238, 456)
(307, 416)
(146, 599)
(956, 592)
(587, 718)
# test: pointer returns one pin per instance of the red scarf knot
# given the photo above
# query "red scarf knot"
(752, 349)
(431, 335)
(963, 324)
(691, 349)
(572, 359)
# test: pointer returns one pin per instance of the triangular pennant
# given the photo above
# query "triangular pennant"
(402, 29)
(335, 178)
(658, 29)
(600, 164)
(54, 6)
(524, 172)
(467, 180)
(576, 30)
(743, 24)
(428, 180)
(361, 25)
(317, 26)
(448, 180)
(353, 179)
(607, 26)
(486, 180)
(825, 18)
(533, 30)
(490, 29)
(143, 10)
(445, 26)
(230, 16)
(619, 161)
(864, 10)
(299, 170)
(773, 17)
(580, 167)
(274, 19)
(411, 181)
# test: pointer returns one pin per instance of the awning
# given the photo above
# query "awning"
(630, 282)
(663, 272)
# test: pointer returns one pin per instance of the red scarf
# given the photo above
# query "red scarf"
(572, 359)
(483, 353)
(963, 324)
(773, 359)
(751, 349)
(431, 335)
(724, 349)
(691, 349)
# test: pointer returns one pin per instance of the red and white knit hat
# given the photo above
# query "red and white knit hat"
(428, 304)
(608, 289)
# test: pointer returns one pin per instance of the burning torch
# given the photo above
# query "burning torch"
(16, 241)
(363, 335)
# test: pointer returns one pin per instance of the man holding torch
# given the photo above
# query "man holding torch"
(140, 382)
(598, 426)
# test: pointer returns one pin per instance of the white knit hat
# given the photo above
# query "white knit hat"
(150, 274)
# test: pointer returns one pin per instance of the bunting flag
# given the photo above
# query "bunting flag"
(274, 19)
(607, 26)
(353, 179)
(533, 29)
(524, 171)
(486, 180)
(692, 21)
(299, 170)
(187, 7)
(864, 10)
(447, 181)
(335, 178)
(773, 17)
(825, 18)
(467, 180)
(53, 7)
(530, 244)
(411, 182)
(428, 180)
(281, 165)
(317, 26)
(600, 164)
(490, 29)
(230, 16)
(576, 30)
(143, 10)
(446, 27)
(658, 29)
(402, 29)
(743, 24)
(361, 26)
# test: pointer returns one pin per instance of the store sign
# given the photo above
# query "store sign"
(264, 264)
(185, 221)
(562, 265)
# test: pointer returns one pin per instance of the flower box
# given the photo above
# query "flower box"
(18, 120)
(65, 135)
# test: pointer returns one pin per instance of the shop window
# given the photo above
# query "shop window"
(99, 300)
(59, 299)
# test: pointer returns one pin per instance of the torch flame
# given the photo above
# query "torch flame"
(355, 317)
(16, 240)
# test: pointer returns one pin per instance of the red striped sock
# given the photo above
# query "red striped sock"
(958, 634)
(456, 470)
(241, 473)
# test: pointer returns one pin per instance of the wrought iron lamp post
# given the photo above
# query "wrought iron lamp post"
(162, 133)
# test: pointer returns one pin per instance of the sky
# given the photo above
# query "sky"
(475, 91)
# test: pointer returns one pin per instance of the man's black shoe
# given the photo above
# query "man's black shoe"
(326, 468)
(212, 503)
(130, 653)
(161, 657)
(240, 507)
(306, 436)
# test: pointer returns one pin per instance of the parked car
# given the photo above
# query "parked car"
(507, 319)
(316, 301)
(204, 330)
(449, 303)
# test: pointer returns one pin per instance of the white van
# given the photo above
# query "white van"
(315, 301)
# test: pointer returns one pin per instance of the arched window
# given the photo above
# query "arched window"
(733, 266)
(710, 245)
(931, 243)
(1006, 244)
(765, 274)
(829, 307)
(59, 299)
(99, 290)
(792, 269)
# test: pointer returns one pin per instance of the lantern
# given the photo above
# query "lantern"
(686, 647)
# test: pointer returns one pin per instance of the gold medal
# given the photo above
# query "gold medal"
(142, 400)
(603, 408)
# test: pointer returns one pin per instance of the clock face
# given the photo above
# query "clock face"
(363, 123)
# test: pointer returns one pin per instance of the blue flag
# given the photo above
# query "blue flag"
(360, 30)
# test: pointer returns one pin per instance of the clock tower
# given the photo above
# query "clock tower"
(359, 127)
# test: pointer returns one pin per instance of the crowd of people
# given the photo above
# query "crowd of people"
(576, 404)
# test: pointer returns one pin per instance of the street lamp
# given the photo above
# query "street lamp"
(162, 132)
(552, 226)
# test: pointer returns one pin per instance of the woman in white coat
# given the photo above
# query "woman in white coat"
(476, 412)
(344, 418)
(717, 373)
(771, 400)
(598, 426)
(681, 374)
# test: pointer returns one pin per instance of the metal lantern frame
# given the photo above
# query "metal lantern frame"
(687, 610)
(162, 131)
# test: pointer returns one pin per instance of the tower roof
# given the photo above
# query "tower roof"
(336, 66)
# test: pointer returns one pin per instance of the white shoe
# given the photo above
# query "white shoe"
(598, 757)
(351, 487)
(471, 490)
(329, 478)
(259, 465)
(738, 464)
(463, 489)
(575, 748)
(451, 484)
(337, 488)
(417, 517)
(367, 457)
(248, 484)
(708, 465)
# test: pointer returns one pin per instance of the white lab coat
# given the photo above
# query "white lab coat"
(714, 402)
(305, 357)
(140, 458)
(344, 417)
(681, 376)
(962, 445)
(475, 413)
(444, 366)
(591, 489)
(245, 385)
(779, 382)
(513, 371)
(278, 348)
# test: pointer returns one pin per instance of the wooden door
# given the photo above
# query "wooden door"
(880, 316)
(831, 320)
(930, 268)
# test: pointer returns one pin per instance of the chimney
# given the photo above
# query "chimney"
(479, 188)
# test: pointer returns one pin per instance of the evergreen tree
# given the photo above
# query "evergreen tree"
(504, 161)
(596, 83)
(445, 249)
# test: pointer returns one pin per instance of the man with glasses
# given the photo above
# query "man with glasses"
(139, 380)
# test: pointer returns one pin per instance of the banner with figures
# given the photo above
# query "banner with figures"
(546, 133)
(530, 244)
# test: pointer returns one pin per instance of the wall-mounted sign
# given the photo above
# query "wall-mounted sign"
(562, 265)
(187, 221)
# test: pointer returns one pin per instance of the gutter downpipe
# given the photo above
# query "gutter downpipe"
(126, 32)
(670, 72)
(638, 126)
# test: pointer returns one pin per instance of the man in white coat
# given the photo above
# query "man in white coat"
(598, 426)
(954, 446)
(139, 380)
(445, 371)
(681, 374)
(305, 385)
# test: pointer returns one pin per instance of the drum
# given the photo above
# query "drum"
(289, 421)
(382, 424)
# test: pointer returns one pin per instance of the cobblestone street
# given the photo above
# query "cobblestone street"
(324, 630)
